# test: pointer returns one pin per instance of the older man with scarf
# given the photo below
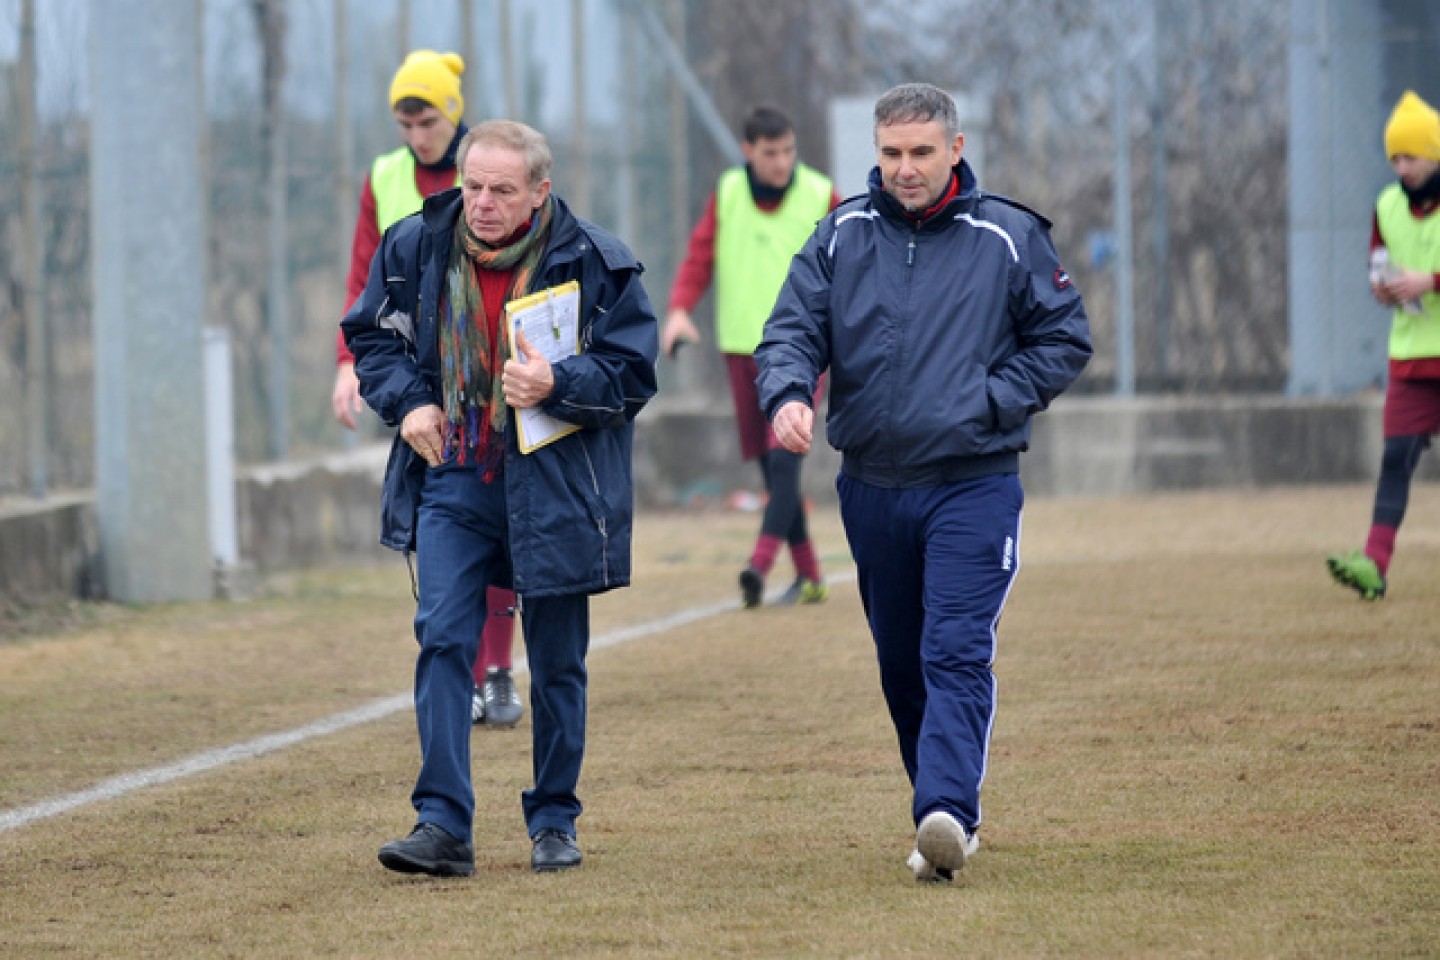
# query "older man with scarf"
(433, 356)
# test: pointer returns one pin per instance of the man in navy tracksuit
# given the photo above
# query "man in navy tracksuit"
(946, 321)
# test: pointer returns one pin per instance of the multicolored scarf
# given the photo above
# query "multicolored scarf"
(472, 354)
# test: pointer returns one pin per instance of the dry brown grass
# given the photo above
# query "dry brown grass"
(1204, 748)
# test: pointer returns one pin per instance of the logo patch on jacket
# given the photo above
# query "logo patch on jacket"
(1062, 279)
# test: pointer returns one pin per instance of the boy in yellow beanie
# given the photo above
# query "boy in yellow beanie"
(431, 77)
(426, 102)
(1404, 276)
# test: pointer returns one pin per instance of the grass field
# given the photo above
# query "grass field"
(1204, 749)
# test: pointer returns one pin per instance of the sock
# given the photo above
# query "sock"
(498, 636)
(807, 565)
(767, 547)
(1381, 546)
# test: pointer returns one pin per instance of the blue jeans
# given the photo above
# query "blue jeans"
(935, 566)
(461, 548)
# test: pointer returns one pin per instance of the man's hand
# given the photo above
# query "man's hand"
(424, 429)
(793, 425)
(679, 330)
(345, 398)
(1410, 285)
(527, 378)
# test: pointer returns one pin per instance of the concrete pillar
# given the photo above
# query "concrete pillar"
(148, 292)
(1338, 63)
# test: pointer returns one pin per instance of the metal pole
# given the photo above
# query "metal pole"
(1160, 195)
(699, 98)
(37, 349)
(625, 192)
(1326, 317)
(220, 449)
(470, 82)
(507, 63)
(1124, 234)
(581, 163)
(402, 29)
(345, 205)
(344, 148)
(277, 284)
(679, 142)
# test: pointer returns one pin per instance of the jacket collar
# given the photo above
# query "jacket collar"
(965, 197)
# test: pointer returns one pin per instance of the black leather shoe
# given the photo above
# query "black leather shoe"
(553, 851)
(429, 849)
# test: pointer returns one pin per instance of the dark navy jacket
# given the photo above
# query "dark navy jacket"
(941, 339)
(571, 503)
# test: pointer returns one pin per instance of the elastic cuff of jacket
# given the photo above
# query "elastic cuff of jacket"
(562, 383)
(785, 398)
(413, 403)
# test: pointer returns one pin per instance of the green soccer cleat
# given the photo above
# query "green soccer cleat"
(803, 591)
(1358, 572)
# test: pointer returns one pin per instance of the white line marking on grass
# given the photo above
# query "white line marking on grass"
(200, 762)
(378, 710)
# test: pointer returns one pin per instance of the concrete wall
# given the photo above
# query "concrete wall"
(48, 550)
(311, 512)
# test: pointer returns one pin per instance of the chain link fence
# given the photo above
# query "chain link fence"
(1202, 108)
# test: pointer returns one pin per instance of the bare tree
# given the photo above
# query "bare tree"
(1046, 68)
(794, 54)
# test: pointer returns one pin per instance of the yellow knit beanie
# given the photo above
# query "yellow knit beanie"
(432, 77)
(1414, 128)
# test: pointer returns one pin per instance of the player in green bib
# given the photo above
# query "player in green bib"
(759, 216)
(1404, 276)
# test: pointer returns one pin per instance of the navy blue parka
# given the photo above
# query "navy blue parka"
(571, 502)
(942, 337)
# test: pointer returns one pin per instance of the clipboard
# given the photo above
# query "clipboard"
(550, 319)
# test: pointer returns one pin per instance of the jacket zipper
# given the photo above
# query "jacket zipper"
(909, 283)
(599, 521)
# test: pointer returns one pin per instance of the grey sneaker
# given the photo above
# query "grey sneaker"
(477, 707)
(554, 850)
(502, 702)
(943, 845)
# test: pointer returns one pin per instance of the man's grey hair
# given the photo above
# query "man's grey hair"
(917, 103)
(510, 134)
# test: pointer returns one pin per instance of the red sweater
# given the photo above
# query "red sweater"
(367, 240)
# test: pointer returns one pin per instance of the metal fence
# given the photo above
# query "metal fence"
(1174, 112)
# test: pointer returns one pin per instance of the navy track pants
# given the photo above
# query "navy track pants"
(461, 549)
(936, 565)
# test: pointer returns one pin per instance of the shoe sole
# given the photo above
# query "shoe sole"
(555, 868)
(943, 842)
(498, 724)
(435, 868)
